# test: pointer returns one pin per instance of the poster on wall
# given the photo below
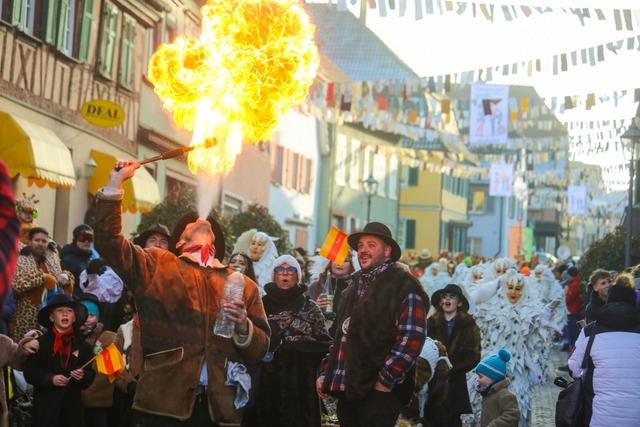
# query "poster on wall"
(577, 195)
(501, 180)
(489, 118)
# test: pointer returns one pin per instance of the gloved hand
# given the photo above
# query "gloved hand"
(50, 282)
(547, 311)
(96, 266)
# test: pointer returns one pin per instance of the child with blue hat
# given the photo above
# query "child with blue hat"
(499, 404)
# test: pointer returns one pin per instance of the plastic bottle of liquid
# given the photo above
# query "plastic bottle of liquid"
(233, 290)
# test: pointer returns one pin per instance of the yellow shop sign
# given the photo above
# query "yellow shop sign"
(103, 113)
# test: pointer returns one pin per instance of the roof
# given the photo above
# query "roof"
(352, 47)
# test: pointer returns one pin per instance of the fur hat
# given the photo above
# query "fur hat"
(379, 230)
(193, 217)
(285, 259)
(62, 300)
(156, 228)
(495, 366)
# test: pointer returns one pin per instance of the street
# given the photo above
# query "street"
(544, 397)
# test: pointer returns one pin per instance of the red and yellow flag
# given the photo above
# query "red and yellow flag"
(109, 362)
(335, 247)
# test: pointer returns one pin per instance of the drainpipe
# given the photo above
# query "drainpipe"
(501, 227)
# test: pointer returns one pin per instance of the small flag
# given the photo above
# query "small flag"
(109, 362)
(335, 247)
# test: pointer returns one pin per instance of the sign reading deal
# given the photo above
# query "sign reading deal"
(103, 113)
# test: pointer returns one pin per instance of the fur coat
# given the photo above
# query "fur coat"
(463, 349)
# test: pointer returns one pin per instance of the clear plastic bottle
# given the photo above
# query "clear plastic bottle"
(233, 290)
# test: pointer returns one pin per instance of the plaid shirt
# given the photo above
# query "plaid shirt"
(412, 330)
(9, 230)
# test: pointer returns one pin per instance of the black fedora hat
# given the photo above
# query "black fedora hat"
(63, 300)
(379, 230)
(451, 288)
(156, 228)
(193, 217)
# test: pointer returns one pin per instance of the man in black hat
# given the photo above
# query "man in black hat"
(381, 330)
(178, 296)
(453, 326)
(156, 236)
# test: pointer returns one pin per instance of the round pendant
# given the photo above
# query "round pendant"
(268, 357)
(345, 325)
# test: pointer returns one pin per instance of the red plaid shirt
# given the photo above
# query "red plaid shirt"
(9, 231)
(412, 330)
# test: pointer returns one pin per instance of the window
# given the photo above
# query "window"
(108, 40)
(476, 202)
(338, 221)
(354, 168)
(232, 204)
(85, 30)
(393, 177)
(66, 26)
(410, 234)
(474, 246)
(26, 16)
(366, 164)
(126, 51)
(340, 160)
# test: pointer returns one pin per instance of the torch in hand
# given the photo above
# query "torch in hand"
(208, 143)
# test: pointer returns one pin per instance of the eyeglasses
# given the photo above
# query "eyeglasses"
(288, 270)
(449, 296)
(85, 238)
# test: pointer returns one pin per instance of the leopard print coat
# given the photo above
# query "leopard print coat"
(28, 285)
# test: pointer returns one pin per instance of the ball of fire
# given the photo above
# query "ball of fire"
(254, 60)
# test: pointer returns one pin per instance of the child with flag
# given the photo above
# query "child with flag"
(98, 398)
(59, 370)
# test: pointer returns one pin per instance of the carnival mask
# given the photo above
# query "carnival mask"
(515, 287)
(257, 247)
(477, 276)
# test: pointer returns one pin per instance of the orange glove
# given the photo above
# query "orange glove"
(50, 282)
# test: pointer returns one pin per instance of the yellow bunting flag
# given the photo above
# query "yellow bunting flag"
(335, 247)
(109, 362)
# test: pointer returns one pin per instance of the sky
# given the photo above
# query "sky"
(450, 43)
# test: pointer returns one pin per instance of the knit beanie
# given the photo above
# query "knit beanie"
(92, 308)
(621, 293)
(495, 366)
(286, 259)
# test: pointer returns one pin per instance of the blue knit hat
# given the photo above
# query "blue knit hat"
(495, 367)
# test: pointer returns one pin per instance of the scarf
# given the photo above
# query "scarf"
(363, 279)
(206, 251)
(484, 390)
(277, 298)
(62, 344)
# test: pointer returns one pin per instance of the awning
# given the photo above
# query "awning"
(460, 223)
(141, 193)
(35, 152)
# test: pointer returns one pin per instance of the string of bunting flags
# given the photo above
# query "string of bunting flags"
(493, 10)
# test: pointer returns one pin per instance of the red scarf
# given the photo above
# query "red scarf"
(62, 344)
(205, 251)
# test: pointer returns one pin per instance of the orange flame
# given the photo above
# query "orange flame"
(255, 59)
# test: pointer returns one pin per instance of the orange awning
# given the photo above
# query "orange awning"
(35, 152)
(141, 193)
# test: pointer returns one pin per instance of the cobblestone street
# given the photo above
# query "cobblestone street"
(544, 397)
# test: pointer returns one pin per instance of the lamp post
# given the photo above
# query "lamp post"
(633, 135)
(370, 187)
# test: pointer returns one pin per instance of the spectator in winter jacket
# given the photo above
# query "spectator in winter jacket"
(9, 230)
(574, 305)
(76, 255)
(614, 363)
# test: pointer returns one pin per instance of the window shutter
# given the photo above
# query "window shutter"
(273, 151)
(50, 30)
(126, 55)
(413, 177)
(63, 24)
(108, 42)
(410, 234)
(17, 15)
(85, 31)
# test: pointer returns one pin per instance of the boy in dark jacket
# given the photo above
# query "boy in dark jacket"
(56, 370)
(499, 405)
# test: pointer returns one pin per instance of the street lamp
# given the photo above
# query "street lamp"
(633, 135)
(370, 187)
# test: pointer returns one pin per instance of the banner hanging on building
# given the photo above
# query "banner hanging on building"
(501, 180)
(489, 118)
(577, 195)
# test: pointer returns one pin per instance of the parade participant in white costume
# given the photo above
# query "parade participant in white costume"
(436, 277)
(510, 318)
(262, 251)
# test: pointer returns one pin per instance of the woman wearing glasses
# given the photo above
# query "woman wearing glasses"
(285, 382)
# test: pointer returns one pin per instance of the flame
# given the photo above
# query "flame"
(254, 60)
